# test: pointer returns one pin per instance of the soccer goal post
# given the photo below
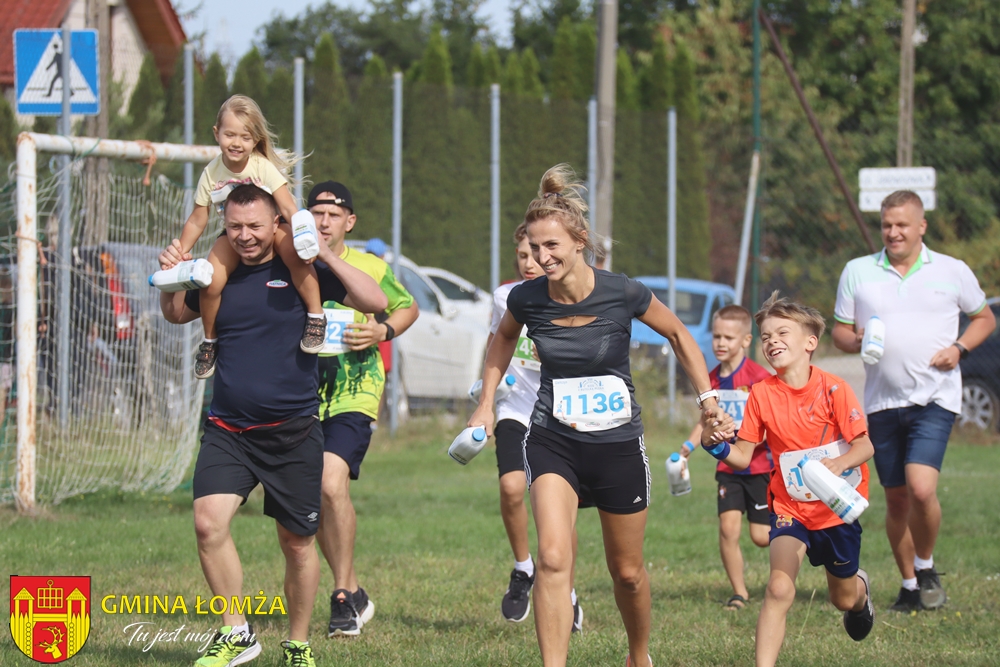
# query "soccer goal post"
(104, 397)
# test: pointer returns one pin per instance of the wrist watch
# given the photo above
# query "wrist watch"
(390, 333)
(963, 351)
(711, 393)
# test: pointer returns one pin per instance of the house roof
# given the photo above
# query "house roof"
(156, 20)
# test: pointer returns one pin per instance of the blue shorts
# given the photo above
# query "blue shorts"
(348, 435)
(837, 548)
(914, 434)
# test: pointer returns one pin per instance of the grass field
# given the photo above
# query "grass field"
(433, 556)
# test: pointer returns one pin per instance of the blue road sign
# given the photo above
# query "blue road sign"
(39, 75)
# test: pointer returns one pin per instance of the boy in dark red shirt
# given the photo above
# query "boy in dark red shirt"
(743, 491)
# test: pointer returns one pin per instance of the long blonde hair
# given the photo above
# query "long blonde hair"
(560, 196)
(248, 113)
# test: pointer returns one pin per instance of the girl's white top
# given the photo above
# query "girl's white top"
(521, 400)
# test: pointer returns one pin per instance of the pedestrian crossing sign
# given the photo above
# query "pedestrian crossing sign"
(39, 75)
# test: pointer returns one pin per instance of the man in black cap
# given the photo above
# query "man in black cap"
(352, 378)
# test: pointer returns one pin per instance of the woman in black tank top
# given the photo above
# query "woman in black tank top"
(580, 321)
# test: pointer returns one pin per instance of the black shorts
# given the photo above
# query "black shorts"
(348, 435)
(614, 477)
(509, 435)
(286, 459)
(745, 493)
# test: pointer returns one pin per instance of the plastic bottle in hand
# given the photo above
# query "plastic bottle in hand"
(678, 474)
(192, 274)
(304, 236)
(503, 389)
(468, 443)
(873, 342)
(835, 492)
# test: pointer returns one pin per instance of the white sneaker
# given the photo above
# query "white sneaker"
(304, 235)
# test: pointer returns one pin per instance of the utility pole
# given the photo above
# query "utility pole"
(904, 145)
(607, 42)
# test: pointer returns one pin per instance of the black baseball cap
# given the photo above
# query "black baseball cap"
(341, 195)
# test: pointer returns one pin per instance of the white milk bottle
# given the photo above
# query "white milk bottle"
(304, 236)
(468, 443)
(192, 274)
(873, 341)
(503, 389)
(835, 492)
(678, 474)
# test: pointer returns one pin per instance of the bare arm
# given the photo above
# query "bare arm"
(174, 310)
(740, 453)
(861, 450)
(845, 338)
(365, 334)
(980, 327)
(501, 350)
(286, 203)
(193, 229)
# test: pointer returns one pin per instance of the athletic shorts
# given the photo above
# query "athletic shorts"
(348, 435)
(509, 435)
(914, 434)
(287, 459)
(614, 477)
(744, 493)
(837, 548)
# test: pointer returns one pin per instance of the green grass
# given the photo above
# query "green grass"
(433, 555)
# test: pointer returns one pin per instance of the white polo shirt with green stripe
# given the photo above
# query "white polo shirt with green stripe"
(920, 311)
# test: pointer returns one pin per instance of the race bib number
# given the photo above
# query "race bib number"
(733, 402)
(337, 320)
(524, 354)
(792, 474)
(592, 403)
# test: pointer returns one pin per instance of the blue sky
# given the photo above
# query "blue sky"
(230, 28)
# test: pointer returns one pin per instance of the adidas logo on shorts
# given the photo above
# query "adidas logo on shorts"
(638, 499)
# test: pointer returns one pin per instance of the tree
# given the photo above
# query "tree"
(657, 81)
(536, 21)
(586, 58)
(564, 63)
(512, 82)
(531, 82)
(216, 91)
(693, 236)
(437, 61)
(369, 145)
(8, 133)
(493, 70)
(281, 106)
(251, 78)
(460, 25)
(475, 70)
(146, 104)
(173, 111)
(326, 115)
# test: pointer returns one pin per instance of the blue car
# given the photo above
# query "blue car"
(697, 301)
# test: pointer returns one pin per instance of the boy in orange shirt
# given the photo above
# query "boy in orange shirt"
(803, 410)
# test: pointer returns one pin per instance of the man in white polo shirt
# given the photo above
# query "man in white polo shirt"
(914, 393)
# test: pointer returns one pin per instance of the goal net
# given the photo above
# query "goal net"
(98, 391)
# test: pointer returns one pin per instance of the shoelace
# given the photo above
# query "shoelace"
(219, 645)
(519, 585)
(344, 607)
(298, 656)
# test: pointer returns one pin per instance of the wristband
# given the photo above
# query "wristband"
(963, 351)
(390, 333)
(719, 451)
(704, 396)
(690, 446)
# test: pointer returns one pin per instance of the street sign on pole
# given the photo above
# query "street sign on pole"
(39, 75)
(877, 184)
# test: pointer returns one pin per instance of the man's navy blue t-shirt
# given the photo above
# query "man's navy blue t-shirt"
(261, 375)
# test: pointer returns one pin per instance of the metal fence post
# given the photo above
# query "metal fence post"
(672, 249)
(494, 186)
(299, 105)
(64, 244)
(186, 348)
(592, 160)
(27, 321)
(397, 226)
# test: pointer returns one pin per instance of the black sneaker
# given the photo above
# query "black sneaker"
(343, 615)
(577, 617)
(932, 595)
(859, 623)
(907, 602)
(314, 335)
(204, 361)
(364, 606)
(516, 601)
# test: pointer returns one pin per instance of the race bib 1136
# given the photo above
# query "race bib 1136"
(591, 403)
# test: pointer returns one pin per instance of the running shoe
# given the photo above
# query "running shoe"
(298, 654)
(364, 606)
(343, 614)
(859, 623)
(577, 617)
(517, 601)
(314, 335)
(204, 361)
(932, 595)
(908, 601)
(628, 661)
(228, 649)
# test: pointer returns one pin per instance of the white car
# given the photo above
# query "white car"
(441, 355)
(466, 296)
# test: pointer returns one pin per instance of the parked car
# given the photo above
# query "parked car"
(981, 378)
(441, 355)
(697, 302)
(466, 296)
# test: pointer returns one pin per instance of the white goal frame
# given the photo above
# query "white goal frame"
(29, 144)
